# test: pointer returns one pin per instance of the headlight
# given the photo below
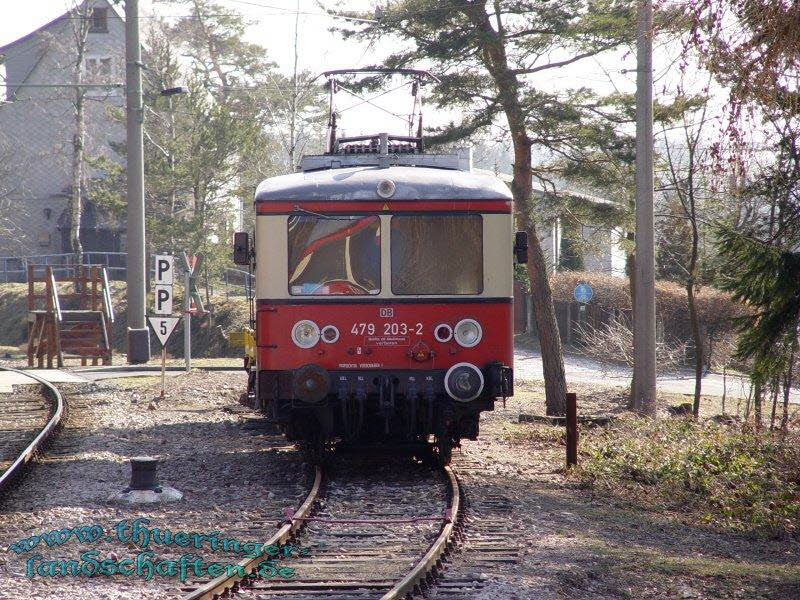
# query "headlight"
(463, 382)
(468, 332)
(305, 334)
(330, 334)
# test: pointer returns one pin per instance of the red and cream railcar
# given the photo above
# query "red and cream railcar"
(383, 303)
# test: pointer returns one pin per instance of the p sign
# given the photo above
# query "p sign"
(165, 269)
(163, 300)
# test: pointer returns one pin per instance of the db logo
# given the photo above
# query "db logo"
(387, 312)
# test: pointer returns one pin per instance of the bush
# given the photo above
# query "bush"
(715, 308)
(744, 480)
(613, 342)
(611, 296)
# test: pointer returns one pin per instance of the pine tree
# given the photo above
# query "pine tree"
(767, 279)
(492, 58)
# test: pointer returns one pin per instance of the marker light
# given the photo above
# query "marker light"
(330, 334)
(468, 332)
(305, 334)
(443, 333)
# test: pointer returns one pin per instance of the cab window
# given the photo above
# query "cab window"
(330, 256)
(437, 254)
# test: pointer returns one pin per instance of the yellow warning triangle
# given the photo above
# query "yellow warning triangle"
(385, 206)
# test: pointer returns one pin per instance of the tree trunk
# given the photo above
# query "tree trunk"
(555, 385)
(697, 339)
(549, 339)
(775, 389)
(496, 61)
(80, 32)
(787, 388)
(757, 403)
(76, 208)
(724, 386)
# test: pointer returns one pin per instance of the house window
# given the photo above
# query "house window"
(99, 21)
(98, 68)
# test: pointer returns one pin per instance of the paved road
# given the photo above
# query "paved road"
(8, 379)
(528, 366)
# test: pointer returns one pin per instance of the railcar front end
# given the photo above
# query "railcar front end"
(383, 304)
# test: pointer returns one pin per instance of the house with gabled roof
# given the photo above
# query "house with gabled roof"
(599, 246)
(37, 130)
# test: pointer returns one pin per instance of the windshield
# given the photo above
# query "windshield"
(334, 256)
(437, 254)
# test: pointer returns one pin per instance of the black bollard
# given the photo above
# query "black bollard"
(143, 474)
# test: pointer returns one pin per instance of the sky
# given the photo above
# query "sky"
(274, 28)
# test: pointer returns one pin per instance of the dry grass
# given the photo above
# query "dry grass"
(596, 544)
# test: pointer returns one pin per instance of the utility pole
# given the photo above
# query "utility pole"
(644, 316)
(138, 334)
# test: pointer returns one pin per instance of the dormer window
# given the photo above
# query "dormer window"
(99, 21)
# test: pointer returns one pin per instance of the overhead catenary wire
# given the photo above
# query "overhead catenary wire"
(62, 85)
(293, 11)
(369, 101)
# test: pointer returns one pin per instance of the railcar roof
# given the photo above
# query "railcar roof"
(361, 183)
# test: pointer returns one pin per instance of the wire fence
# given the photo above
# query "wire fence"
(14, 269)
(237, 282)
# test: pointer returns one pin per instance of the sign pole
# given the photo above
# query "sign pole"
(187, 320)
(163, 368)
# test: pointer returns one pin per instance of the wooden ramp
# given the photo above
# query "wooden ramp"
(69, 316)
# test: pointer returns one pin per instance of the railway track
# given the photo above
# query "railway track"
(488, 545)
(27, 422)
(372, 530)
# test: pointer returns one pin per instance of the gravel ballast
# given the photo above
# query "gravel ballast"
(235, 476)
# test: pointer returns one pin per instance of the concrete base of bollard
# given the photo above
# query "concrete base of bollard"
(167, 494)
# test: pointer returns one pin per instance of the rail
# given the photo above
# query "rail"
(223, 584)
(411, 583)
(53, 422)
(434, 554)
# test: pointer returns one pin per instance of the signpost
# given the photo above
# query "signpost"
(163, 328)
(163, 323)
(191, 297)
(582, 294)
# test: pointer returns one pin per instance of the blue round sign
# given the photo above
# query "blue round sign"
(583, 293)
